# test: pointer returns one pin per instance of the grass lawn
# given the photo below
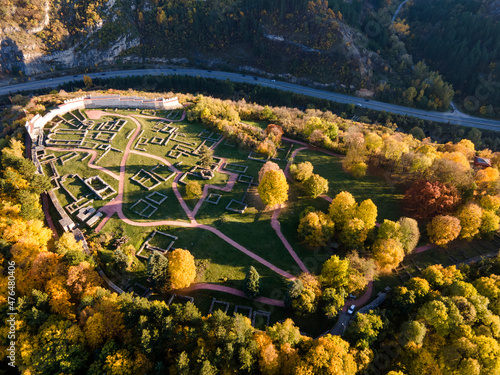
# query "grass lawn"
(76, 166)
(217, 261)
(170, 209)
(387, 197)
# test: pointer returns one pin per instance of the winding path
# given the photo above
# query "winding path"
(277, 227)
(116, 205)
(233, 291)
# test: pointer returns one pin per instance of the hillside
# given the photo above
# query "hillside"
(327, 43)
(440, 316)
(460, 40)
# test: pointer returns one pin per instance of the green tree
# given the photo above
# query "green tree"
(284, 333)
(417, 133)
(120, 259)
(302, 171)
(364, 330)
(251, 285)
(409, 234)
(337, 273)
(389, 230)
(58, 348)
(334, 300)
(412, 333)
(316, 185)
(206, 157)
(158, 270)
(490, 223)
(273, 188)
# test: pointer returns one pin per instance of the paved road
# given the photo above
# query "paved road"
(451, 117)
(341, 325)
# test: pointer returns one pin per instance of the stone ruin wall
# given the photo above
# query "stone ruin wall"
(36, 124)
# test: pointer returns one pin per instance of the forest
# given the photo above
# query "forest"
(460, 40)
(444, 321)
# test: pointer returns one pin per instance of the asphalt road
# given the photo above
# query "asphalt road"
(454, 117)
(341, 325)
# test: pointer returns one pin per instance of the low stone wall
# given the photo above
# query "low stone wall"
(36, 124)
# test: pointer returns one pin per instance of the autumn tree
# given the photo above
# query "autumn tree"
(82, 278)
(470, 220)
(490, 223)
(343, 208)
(302, 171)
(367, 211)
(316, 186)
(490, 203)
(439, 276)
(87, 81)
(206, 157)
(443, 229)
(427, 199)
(451, 173)
(315, 229)
(328, 355)
(181, 268)
(193, 189)
(353, 233)
(487, 179)
(305, 294)
(365, 266)
(273, 188)
(251, 284)
(388, 254)
(268, 166)
(354, 163)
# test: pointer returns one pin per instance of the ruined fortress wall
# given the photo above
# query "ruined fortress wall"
(36, 124)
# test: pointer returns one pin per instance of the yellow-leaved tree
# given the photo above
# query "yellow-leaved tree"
(443, 229)
(181, 268)
(388, 253)
(343, 208)
(273, 188)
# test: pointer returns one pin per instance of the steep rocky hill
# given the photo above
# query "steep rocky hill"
(306, 39)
